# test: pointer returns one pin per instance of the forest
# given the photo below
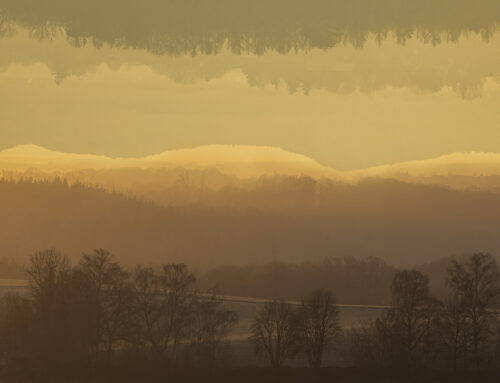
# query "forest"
(293, 242)
(96, 320)
(173, 28)
(279, 219)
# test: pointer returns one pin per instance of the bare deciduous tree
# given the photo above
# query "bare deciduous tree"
(413, 314)
(455, 331)
(476, 286)
(212, 323)
(148, 308)
(48, 274)
(108, 294)
(55, 328)
(177, 289)
(274, 332)
(164, 304)
(317, 325)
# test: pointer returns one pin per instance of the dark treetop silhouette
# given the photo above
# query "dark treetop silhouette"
(178, 26)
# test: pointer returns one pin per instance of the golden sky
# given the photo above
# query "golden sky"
(348, 106)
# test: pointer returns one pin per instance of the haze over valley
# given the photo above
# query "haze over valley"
(191, 174)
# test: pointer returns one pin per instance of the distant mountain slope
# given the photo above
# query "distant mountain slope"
(459, 164)
(187, 175)
(246, 161)
(284, 219)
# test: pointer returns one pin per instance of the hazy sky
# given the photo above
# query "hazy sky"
(349, 106)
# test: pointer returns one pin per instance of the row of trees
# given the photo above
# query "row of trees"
(279, 331)
(83, 316)
(96, 314)
(419, 331)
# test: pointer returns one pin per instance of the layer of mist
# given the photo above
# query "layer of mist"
(207, 174)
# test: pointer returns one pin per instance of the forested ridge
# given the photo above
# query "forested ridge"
(289, 219)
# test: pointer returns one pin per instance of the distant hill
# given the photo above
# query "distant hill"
(242, 160)
(460, 164)
(282, 218)
(179, 176)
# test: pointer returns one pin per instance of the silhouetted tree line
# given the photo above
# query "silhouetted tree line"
(291, 219)
(461, 332)
(284, 280)
(339, 274)
(193, 26)
(418, 332)
(80, 318)
(280, 331)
